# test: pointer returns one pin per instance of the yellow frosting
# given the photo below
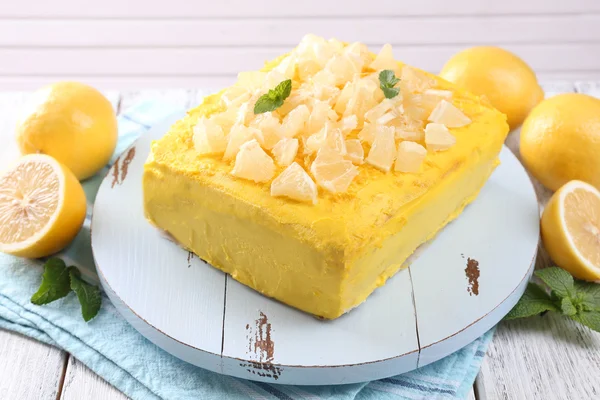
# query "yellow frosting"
(326, 258)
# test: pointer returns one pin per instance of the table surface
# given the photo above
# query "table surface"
(548, 357)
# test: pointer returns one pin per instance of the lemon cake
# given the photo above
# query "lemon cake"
(314, 179)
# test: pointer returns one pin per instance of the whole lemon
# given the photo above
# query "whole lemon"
(560, 140)
(72, 122)
(506, 80)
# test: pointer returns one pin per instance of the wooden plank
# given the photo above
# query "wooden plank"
(307, 8)
(288, 31)
(547, 357)
(220, 61)
(82, 383)
(29, 369)
(139, 82)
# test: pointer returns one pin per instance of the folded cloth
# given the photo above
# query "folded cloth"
(110, 347)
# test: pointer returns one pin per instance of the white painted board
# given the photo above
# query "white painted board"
(197, 313)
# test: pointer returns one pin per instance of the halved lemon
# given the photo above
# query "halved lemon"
(42, 207)
(571, 229)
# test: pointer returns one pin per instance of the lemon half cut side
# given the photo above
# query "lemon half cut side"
(42, 207)
(571, 229)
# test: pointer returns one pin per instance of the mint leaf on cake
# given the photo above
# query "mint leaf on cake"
(387, 81)
(274, 98)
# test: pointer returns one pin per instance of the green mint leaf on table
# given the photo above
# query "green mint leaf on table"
(274, 98)
(88, 295)
(55, 282)
(535, 301)
(575, 299)
(558, 280)
(591, 319)
(589, 294)
(567, 307)
(387, 81)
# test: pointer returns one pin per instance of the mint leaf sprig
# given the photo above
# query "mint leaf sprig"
(274, 98)
(578, 300)
(58, 281)
(387, 81)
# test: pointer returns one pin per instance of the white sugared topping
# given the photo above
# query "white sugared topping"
(336, 112)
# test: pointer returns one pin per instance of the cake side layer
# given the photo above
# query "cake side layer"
(381, 263)
(210, 223)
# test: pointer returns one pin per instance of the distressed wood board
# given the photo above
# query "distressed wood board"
(208, 319)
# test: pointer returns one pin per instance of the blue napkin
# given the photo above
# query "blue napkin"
(110, 347)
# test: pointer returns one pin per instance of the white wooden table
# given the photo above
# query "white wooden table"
(547, 357)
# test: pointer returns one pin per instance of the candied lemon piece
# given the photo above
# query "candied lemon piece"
(362, 98)
(321, 113)
(328, 137)
(444, 94)
(273, 79)
(348, 124)
(354, 151)
(448, 114)
(315, 49)
(234, 96)
(438, 137)
(270, 129)
(342, 68)
(410, 157)
(287, 66)
(379, 110)
(239, 135)
(325, 78)
(383, 149)
(332, 172)
(343, 98)
(294, 122)
(225, 119)
(413, 136)
(385, 60)
(367, 133)
(285, 151)
(295, 184)
(252, 163)
(359, 53)
(209, 137)
(415, 81)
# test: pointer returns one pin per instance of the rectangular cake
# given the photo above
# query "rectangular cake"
(313, 180)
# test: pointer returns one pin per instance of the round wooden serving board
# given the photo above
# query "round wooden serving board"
(457, 287)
